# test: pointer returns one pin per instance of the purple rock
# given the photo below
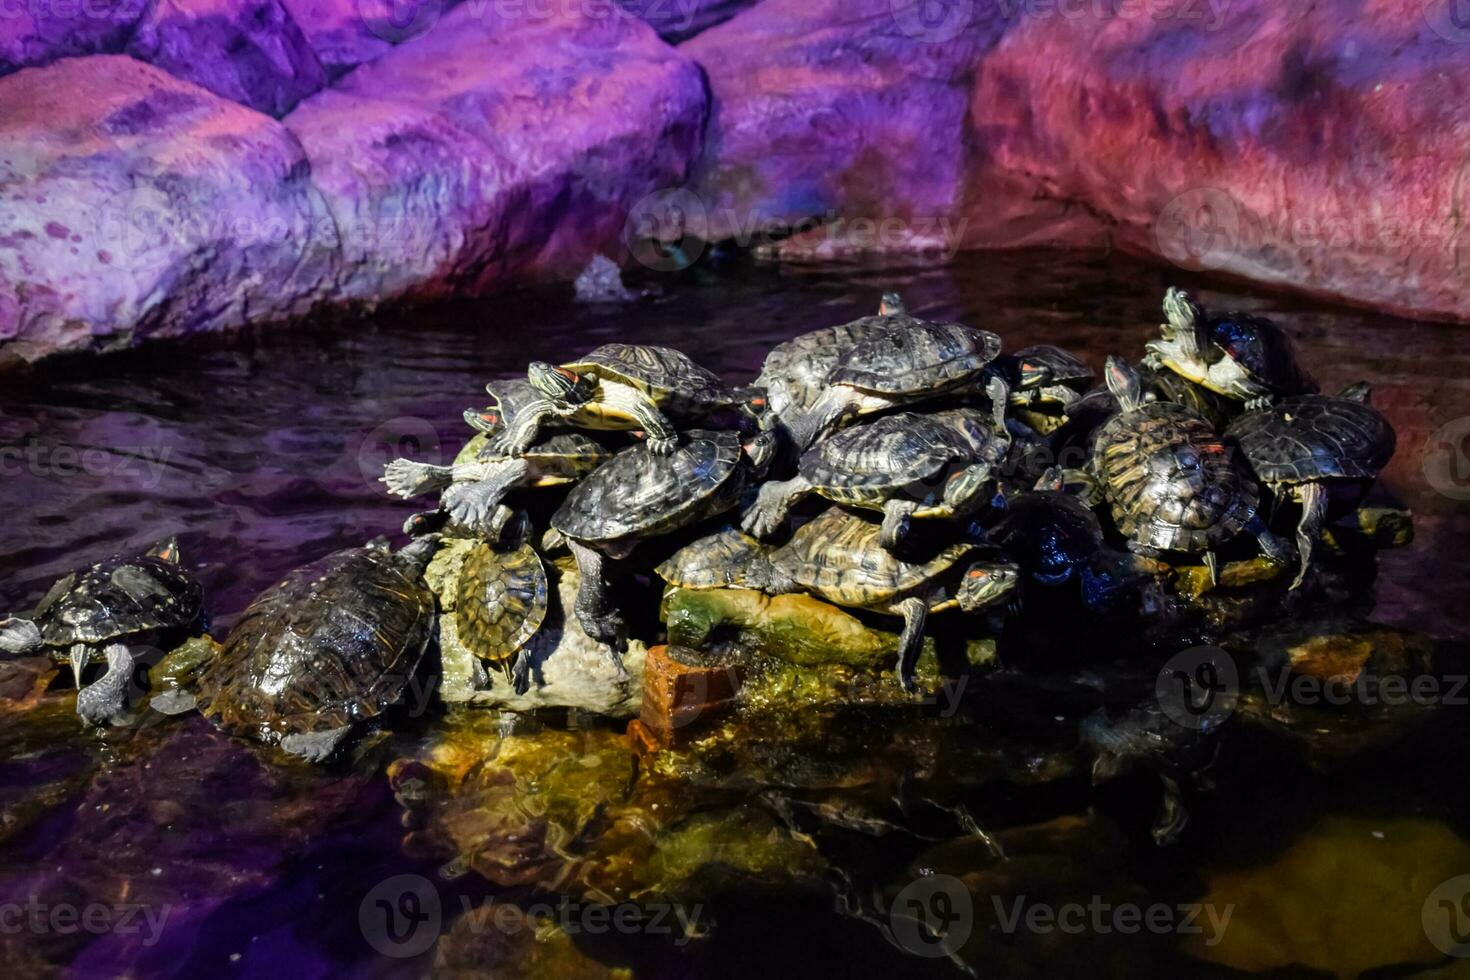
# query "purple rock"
(679, 20)
(339, 33)
(250, 51)
(37, 33)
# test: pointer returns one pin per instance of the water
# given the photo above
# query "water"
(262, 453)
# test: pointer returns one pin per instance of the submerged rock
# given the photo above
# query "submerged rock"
(601, 282)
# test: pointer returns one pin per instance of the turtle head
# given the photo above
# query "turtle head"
(761, 451)
(1123, 383)
(484, 420)
(165, 550)
(414, 557)
(1183, 344)
(755, 406)
(891, 304)
(563, 386)
(987, 583)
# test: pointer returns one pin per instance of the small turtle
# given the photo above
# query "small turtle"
(622, 386)
(836, 557)
(1241, 355)
(500, 603)
(907, 466)
(103, 609)
(719, 560)
(795, 372)
(1169, 480)
(638, 495)
(1163, 385)
(908, 361)
(331, 645)
(1315, 448)
(1043, 380)
(510, 396)
(476, 483)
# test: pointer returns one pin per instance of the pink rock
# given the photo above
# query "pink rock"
(679, 20)
(497, 147)
(250, 51)
(133, 204)
(37, 32)
(339, 33)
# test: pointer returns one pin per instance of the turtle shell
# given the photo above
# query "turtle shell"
(1170, 481)
(1314, 437)
(115, 598)
(715, 561)
(1169, 386)
(500, 601)
(510, 395)
(665, 374)
(1048, 533)
(867, 462)
(838, 557)
(639, 494)
(795, 372)
(1263, 349)
(1047, 364)
(333, 643)
(917, 358)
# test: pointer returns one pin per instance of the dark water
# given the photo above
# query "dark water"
(262, 453)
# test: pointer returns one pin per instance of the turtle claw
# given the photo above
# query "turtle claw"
(662, 445)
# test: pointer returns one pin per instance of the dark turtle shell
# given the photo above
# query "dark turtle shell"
(917, 357)
(1169, 479)
(333, 643)
(663, 373)
(115, 598)
(795, 372)
(639, 494)
(1048, 533)
(1263, 349)
(1314, 437)
(911, 449)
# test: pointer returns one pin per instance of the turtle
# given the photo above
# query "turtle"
(1247, 357)
(332, 644)
(1164, 385)
(836, 556)
(909, 465)
(476, 483)
(640, 494)
(509, 396)
(500, 603)
(1056, 538)
(1043, 380)
(794, 373)
(718, 560)
(1169, 480)
(909, 360)
(1315, 448)
(623, 386)
(105, 609)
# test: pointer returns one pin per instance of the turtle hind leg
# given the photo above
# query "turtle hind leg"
(314, 746)
(406, 478)
(1309, 529)
(915, 611)
(897, 518)
(772, 504)
(103, 699)
(594, 609)
(19, 636)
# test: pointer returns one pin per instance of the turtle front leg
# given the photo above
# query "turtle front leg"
(19, 636)
(662, 437)
(104, 699)
(474, 502)
(897, 518)
(915, 612)
(806, 429)
(1271, 546)
(314, 746)
(772, 504)
(595, 611)
(1309, 528)
(519, 436)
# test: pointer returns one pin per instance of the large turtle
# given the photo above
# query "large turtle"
(1315, 448)
(907, 466)
(333, 644)
(639, 495)
(500, 603)
(1247, 357)
(1168, 478)
(623, 386)
(908, 361)
(103, 609)
(836, 556)
(794, 373)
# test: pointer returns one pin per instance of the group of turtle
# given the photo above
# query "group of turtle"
(893, 464)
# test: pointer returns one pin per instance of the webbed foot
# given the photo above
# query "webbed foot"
(105, 698)
(314, 746)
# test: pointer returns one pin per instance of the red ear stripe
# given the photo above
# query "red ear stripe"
(569, 375)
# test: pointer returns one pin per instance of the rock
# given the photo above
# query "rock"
(250, 51)
(344, 34)
(37, 33)
(568, 669)
(601, 282)
(133, 204)
(450, 172)
(679, 691)
(500, 941)
(679, 20)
